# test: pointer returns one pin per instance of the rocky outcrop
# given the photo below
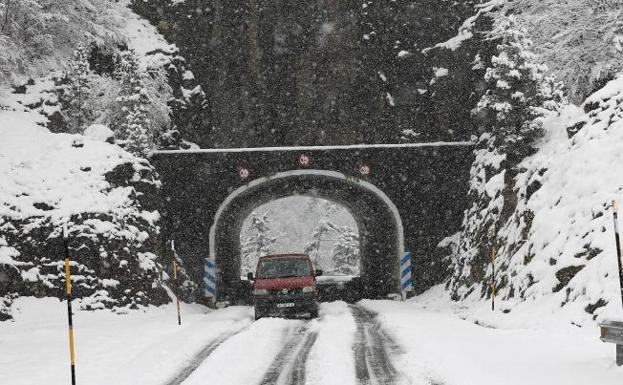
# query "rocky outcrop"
(116, 257)
(552, 214)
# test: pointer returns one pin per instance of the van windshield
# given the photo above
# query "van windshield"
(283, 268)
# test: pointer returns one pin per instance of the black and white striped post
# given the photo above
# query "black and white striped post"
(406, 281)
(72, 355)
(615, 215)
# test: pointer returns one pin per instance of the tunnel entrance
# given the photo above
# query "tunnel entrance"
(381, 238)
(323, 229)
(402, 196)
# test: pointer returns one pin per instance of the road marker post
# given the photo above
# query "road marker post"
(492, 253)
(406, 281)
(612, 331)
(72, 354)
(177, 300)
(615, 217)
(209, 279)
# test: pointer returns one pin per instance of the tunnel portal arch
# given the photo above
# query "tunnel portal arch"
(424, 185)
(380, 225)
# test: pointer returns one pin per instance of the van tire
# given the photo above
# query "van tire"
(258, 315)
(313, 313)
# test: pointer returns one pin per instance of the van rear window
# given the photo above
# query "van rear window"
(283, 268)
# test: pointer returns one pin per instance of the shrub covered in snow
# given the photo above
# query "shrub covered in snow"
(580, 41)
(37, 36)
(99, 132)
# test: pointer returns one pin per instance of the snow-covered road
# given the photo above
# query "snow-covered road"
(343, 346)
(419, 342)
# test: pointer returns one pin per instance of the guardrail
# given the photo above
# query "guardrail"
(612, 332)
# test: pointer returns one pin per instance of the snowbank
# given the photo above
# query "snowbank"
(141, 347)
(54, 175)
(441, 347)
(151, 47)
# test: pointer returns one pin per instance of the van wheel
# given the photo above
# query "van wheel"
(313, 313)
(258, 315)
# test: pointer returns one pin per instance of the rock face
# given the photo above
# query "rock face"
(114, 256)
(110, 202)
(552, 214)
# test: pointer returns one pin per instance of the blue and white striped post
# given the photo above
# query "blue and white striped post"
(209, 278)
(406, 282)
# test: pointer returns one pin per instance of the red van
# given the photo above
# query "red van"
(285, 285)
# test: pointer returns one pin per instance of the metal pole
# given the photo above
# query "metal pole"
(615, 210)
(72, 356)
(493, 252)
(177, 301)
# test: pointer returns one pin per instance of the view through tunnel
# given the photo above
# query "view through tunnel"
(361, 207)
(324, 230)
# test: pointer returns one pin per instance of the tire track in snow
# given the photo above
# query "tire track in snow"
(373, 350)
(289, 365)
(202, 355)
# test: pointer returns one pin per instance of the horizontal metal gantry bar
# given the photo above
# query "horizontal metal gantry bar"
(317, 148)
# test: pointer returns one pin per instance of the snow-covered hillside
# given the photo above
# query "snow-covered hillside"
(580, 41)
(550, 206)
(107, 195)
(556, 245)
(100, 190)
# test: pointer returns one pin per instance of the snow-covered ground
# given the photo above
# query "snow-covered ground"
(39, 167)
(450, 343)
(136, 348)
(435, 341)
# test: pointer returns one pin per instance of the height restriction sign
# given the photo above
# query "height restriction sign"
(304, 160)
(243, 173)
(363, 170)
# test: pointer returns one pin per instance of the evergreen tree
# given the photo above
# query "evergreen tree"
(517, 92)
(76, 90)
(258, 242)
(314, 247)
(346, 251)
(133, 129)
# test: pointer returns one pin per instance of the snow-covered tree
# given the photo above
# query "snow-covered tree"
(314, 247)
(517, 92)
(132, 127)
(36, 36)
(346, 251)
(76, 91)
(258, 241)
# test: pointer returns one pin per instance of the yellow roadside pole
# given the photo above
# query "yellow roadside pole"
(177, 301)
(179, 317)
(72, 355)
(492, 253)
